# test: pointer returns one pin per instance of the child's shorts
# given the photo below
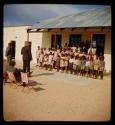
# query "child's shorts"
(74, 66)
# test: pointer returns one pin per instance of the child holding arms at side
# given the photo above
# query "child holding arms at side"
(50, 61)
(96, 67)
(101, 67)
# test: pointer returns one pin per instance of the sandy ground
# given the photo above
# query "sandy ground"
(58, 97)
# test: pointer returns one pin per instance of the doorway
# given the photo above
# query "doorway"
(13, 45)
(99, 43)
(56, 41)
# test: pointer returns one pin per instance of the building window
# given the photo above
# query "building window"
(74, 39)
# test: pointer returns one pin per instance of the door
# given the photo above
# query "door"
(74, 40)
(58, 40)
(13, 45)
(52, 41)
(99, 43)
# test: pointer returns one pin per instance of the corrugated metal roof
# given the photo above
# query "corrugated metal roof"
(100, 16)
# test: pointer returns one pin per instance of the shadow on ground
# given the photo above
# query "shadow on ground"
(45, 74)
(38, 89)
(34, 83)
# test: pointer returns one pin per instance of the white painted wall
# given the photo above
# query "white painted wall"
(19, 34)
(36, 39)
(46, 40)
(107, 51)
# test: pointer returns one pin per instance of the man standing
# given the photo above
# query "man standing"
(8, 53)
(27, 57)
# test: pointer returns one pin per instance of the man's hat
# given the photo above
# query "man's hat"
(26, 43)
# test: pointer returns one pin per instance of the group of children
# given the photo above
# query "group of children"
(71, 61)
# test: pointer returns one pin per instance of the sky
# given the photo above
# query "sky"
(29, 14)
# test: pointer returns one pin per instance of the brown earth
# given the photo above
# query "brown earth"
(58, 97)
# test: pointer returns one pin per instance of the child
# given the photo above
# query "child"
(55, 58)
(101, 67)
(62, 62)
(87, 66)
(74, 64)
(48, 51)
(41, 58)
(66, 62)
(38, 55)
(96, 67)
(45, 63)
(91, 67)
(44, 51)
(71, 60)
(50, 61)
(78, 64)
(83, 61)
(58, 63)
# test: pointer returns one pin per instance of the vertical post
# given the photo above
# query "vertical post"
(55, 41)
(91, 39)
(27, 34)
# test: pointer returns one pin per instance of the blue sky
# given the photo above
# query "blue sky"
(21, 14)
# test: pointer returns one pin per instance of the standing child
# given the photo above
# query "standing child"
(66, 62)
(91, 68)
(71, 60)
(78, 64)
(87, 66)
(101, 67)
(58, 63)
(55, 58)
(45, 63)
(41, 58)
(38, 55)
(74, 65)
(62, 62)
(50, 61)
(96, 67)
(83, 61)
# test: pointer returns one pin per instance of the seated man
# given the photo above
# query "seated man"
(17, 72)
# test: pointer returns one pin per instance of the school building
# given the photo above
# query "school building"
(93, 26)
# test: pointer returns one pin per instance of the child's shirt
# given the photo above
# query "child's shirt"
(50, 59)
(71, 60)
(37, 53)
(96, 64)
(41, 58)
(101, 65)
(45, 60)
(87, 63)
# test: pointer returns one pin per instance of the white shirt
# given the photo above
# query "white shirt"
(87, 63)
(92, 49)
(71, 60)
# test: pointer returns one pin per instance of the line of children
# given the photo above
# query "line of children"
(78, 63)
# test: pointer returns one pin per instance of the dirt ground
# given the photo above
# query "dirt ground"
(58, 97)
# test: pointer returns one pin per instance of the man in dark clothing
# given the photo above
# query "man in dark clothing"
(9, 53)
(27, 57)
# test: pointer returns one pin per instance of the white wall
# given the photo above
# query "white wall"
(36, 39)
(46, 40)
(19, 34)
(107, 51)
